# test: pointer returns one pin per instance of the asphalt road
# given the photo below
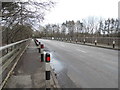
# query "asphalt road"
(83, 66)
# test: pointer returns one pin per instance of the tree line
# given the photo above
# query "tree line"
(88, 27)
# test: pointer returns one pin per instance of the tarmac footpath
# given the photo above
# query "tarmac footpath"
(30, 71)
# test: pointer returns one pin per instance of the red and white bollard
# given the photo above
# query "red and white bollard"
(47, 72)
(42, 53)
(42, 46)
(39, 47)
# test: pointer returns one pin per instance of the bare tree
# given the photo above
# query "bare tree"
(22, 13)
(90, 24)
(63, 29)
(71, 28)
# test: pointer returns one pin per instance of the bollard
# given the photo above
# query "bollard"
(42, 57)
(47, 72)
(48, 88)
(42, 46)
(76, 40)
(66, 39)
(84, 41)
(70, 40)
(39, 43)
(42, 53)
(113, 44)
(95, 42)
(39, 47)
(36, 42)
(47, 58)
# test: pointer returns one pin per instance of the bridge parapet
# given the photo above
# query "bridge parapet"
(9, 56)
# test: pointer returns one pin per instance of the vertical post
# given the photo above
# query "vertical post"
(84, 41)
(76, 40)
(95, 42)
(39, 47)
(35, 42)
(62, 39)
(70, 40)
(47, 72)
(42, 53)
(66, 39)
(113, 44)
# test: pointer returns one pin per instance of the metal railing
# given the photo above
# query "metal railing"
(9, 56)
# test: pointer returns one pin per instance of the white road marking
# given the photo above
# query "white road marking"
(81, 50)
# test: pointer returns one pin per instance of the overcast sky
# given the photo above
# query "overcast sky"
(79, 9)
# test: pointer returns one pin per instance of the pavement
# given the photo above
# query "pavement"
(30, 71)
(82, 66)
